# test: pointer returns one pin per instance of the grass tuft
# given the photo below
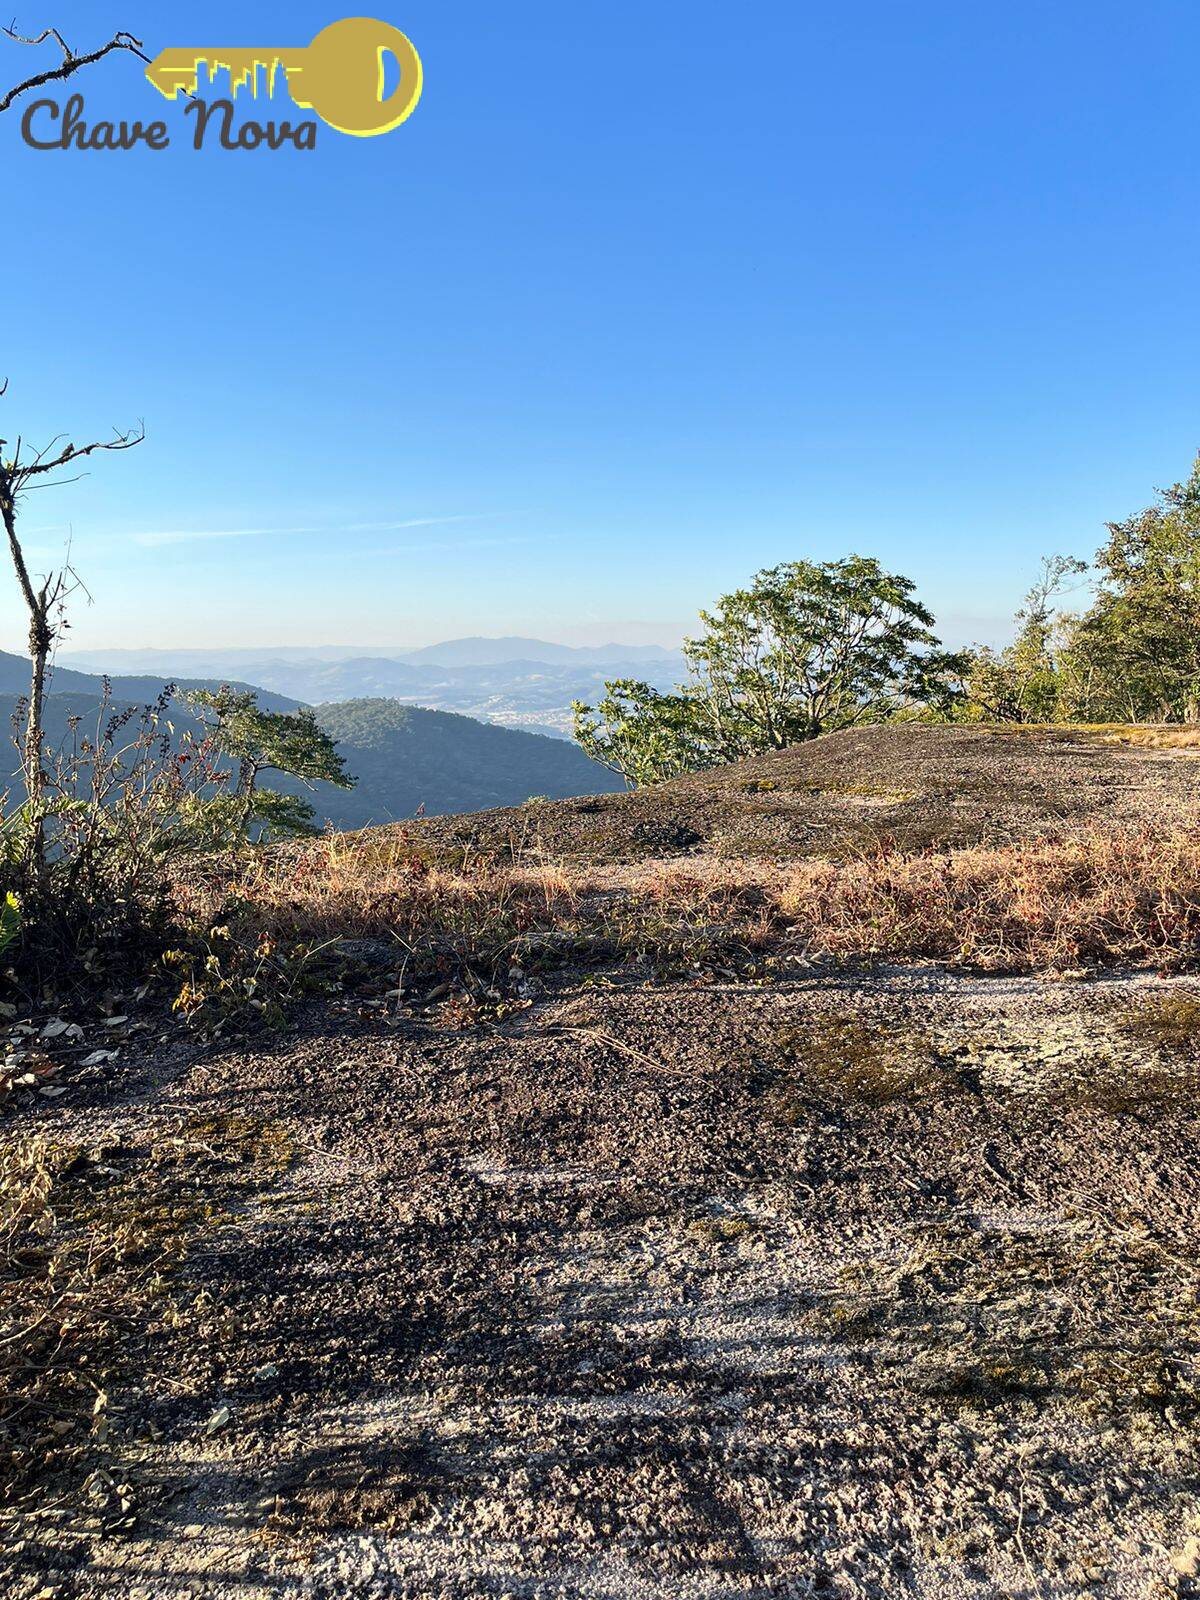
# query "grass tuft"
(1167, 1022)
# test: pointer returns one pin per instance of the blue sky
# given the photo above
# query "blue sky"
(641, 299)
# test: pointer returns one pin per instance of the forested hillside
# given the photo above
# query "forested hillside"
(405, 757)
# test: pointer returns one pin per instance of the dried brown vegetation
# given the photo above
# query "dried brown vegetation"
(73, 1271)
(1094, 896)
(1090, 897)
(1158, 738)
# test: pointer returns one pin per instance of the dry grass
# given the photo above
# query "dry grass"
(1157, 738)
(1094, 897)
(483, 915)
(373, 885)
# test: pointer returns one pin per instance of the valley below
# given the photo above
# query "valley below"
(524, 684)
(410, 751)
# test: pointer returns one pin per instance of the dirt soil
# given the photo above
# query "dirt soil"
(851, 1282)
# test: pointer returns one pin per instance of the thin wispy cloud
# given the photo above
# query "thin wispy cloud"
(163, 537)
(421, 522)
(443, 546)
(152, 541)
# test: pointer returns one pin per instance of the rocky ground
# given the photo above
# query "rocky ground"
(845, 1281)
(910, 786)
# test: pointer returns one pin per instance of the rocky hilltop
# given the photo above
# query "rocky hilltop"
(908, 786)
(616, 1258)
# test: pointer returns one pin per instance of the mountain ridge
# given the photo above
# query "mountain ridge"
(514, 687)
(141, 688)
(471, 650)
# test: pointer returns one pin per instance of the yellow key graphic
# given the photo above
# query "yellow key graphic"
(340, 75)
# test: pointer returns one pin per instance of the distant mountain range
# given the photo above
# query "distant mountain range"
(527, 684)
(403, 756)
(495, 652)
(133, 689)
(472, 652)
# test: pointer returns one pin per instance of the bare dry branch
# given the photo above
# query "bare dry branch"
(40, 465)
(71, 62)
(47, 33)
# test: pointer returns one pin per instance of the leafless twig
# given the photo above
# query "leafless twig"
(71, 62)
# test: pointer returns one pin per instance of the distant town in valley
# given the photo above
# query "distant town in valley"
(527, 684)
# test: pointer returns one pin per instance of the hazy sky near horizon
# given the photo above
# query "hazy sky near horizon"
(641, 299)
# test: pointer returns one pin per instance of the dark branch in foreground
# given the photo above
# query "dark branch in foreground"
(71, 62)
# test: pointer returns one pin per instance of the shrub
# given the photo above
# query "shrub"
(90, 880)
(133, 811)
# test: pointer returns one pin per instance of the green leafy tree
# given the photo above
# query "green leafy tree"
(290, 743)
(1141, 638)
(645, 736)
(808, 648)
(1133, 656)
(1027, 681)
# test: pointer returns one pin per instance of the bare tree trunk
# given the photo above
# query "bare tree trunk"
(246, 785)
(16, 474)
(41, 638)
